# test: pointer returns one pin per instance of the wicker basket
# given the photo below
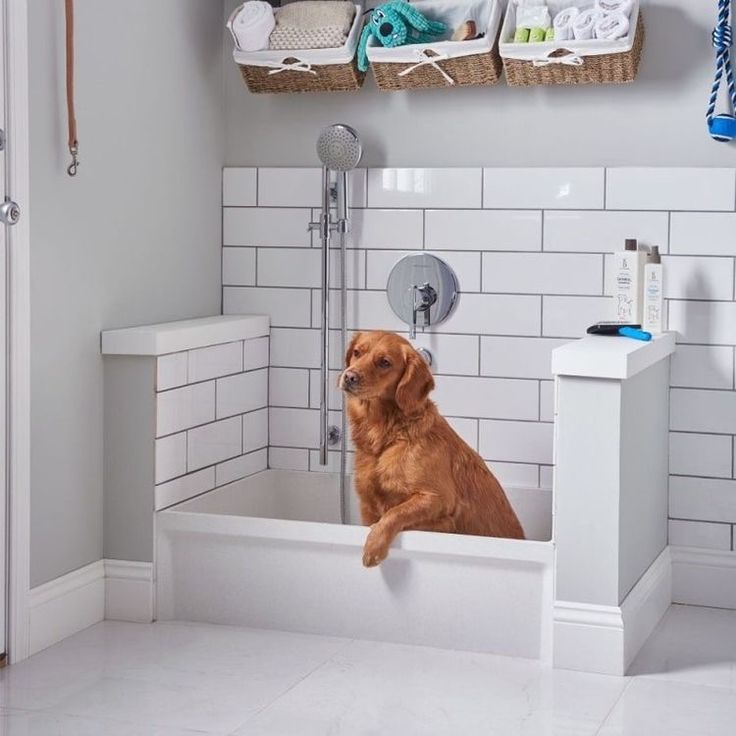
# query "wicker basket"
(617, 67)
(327, 78)
(445, 63)
(305, 70)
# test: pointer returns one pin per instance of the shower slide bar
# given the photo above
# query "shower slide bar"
(339, 150)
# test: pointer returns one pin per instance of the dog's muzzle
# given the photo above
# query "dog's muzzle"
(349, 381)
(386, 29)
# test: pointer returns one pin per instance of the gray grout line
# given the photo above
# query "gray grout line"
(216, 487)
(214, 379)
(709, 434)
(614, 705)
(605, 186)
(539, 401)
(700, 477)
(273, 287)
(467, 250)
(207, 467)
(470, 208)
(700, 521)
(542, 234)
(207, 424)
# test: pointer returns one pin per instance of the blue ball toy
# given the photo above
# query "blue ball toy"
(395, 24)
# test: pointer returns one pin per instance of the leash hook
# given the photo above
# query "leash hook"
(74, 165)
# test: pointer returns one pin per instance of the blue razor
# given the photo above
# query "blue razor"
(635, 334)
(616, 328)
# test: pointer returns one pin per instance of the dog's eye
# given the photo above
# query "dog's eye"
(356, 353)
(379, 14)
(384, 363)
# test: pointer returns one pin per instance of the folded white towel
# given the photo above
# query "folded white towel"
(611, 26)
(311, 15)
(583, 27)
(563, 23)
(251, 25)
(615, 6)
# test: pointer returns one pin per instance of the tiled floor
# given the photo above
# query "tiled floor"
(120, 679)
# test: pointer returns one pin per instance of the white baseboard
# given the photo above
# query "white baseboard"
(605, 639)
(129, 591)
(587, 637)
(66, 605)
(106, 589)
(703, 577)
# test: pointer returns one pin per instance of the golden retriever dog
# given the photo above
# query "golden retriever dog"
(412, 471)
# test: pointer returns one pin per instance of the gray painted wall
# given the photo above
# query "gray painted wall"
(657, 121)
(135, 238)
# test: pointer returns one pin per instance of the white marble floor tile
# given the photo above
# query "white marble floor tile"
(375, 688)
(695, 645)
(175, 675)
(659, 708)
(177, 679)
(34, 723)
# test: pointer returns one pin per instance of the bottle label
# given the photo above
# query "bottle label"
(624, 288)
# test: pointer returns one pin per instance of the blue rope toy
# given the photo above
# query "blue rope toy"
(722, 127)
(395, 24)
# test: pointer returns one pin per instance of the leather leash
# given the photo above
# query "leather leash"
(71, 115)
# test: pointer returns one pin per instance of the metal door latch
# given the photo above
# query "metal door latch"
(9, 212)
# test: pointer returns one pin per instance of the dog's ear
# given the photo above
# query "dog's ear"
(415, 384)
(351, 347)
(363, 45)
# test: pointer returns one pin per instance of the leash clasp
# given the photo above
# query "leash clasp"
(74, 165)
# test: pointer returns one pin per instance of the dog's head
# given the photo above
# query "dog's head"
(385, 366)
(388, 26)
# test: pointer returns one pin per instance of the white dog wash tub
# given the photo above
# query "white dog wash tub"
(269, 551)
(233, 542)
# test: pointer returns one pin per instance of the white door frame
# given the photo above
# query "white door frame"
(19, 334)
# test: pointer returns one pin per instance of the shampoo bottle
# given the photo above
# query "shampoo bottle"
(629, 273)
(653, 292)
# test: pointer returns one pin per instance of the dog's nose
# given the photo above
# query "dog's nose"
(386, 29)
(350, 379)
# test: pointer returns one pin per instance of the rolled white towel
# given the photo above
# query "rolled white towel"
(583, 27)
(611, 26)
(251, 25)
(563, 23)
(615, 6)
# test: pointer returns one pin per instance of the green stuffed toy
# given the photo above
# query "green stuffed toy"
(395, 24)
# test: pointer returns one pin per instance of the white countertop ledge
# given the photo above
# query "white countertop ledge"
(173, 337)
(603, 356)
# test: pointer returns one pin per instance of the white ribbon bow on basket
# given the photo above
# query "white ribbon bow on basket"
(291, 66)
(568, 59)
(431, 57)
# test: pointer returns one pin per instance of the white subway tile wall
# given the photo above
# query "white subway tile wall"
(529, 247)
(214, 429)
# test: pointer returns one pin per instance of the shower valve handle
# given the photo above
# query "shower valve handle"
(424, 297)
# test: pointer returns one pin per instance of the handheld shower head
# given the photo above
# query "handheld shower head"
(338, 147)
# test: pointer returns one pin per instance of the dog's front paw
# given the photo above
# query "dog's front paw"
(375, 550)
